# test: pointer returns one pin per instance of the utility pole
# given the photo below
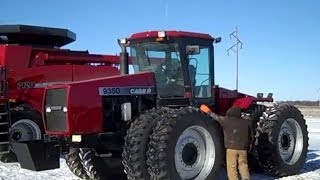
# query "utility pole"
(319, 98)
(235, 49)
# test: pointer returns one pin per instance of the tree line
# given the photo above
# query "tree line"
(300, 103)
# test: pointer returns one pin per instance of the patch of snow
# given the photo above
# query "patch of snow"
(311, 170)
(12, 171)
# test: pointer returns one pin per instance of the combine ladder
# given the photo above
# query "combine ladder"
(5, 118)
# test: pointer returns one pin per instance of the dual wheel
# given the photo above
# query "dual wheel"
(160, 144)
(186, 144)
(173, 144)
(282, 137)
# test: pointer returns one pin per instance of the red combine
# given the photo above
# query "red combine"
(31, 58)
(147, 124)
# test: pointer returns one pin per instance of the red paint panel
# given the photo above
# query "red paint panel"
(91, 72)
(85, 104)
(225, 98)
(2, 54)
(16, 56)
(243, 103)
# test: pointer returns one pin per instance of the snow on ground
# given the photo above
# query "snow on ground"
(311, 171)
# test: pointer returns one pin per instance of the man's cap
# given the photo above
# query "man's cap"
(234, 111)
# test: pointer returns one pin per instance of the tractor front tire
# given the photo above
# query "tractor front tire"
(101, 168)
(283, 141)
(73, 161)
(185, 144)
(136, 144)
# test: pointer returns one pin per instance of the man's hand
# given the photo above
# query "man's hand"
(207, 110)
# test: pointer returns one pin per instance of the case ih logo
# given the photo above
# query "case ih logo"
(116, 91)
(140, 91)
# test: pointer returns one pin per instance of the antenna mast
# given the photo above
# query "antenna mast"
(235, 49)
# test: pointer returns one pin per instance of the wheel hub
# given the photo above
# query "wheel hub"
(25, 130)
(16, 136)
(189, 154)
(194, 153)
(290, 141)
(285, 141)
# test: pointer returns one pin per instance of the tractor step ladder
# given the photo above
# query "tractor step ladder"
(5, 117)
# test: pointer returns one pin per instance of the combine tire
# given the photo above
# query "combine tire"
(74, 163)
(283, 141)
(136, 144)
(101, 168)
(26, 126)
(185, 144)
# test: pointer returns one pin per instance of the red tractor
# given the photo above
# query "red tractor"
(147, 124)
(31, 58)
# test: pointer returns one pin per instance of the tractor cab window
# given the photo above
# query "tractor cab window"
(199, 72)
(164, 61)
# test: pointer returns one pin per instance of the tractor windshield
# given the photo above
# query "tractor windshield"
(162, 59)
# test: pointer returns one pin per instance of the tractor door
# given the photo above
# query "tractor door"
(200, 67)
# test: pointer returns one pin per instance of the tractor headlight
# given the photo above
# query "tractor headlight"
(65, 109)
(48, 109)
(76, 138)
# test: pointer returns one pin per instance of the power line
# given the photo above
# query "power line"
(235, 49)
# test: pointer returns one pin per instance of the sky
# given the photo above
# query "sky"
(280, 38)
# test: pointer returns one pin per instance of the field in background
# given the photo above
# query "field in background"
(310, 111)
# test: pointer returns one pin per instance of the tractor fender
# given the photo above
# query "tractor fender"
(243, 103)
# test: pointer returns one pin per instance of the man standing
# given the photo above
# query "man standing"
(236, 140)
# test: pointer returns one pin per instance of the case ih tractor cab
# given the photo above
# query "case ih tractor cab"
(31, 58)
(147, 124)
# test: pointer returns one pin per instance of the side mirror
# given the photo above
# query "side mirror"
(217, 40)
(193, 49)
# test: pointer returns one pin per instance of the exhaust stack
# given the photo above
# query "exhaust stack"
(124, 56)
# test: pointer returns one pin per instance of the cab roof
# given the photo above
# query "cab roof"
(170, 33)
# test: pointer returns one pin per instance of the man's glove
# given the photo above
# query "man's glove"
(207, 110)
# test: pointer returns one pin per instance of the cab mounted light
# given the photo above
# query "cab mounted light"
(270, 95)
(124, 41)
(161, 34)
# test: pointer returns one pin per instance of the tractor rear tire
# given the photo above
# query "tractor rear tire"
(283, 141)
(185, 144)
(73, 161)
(101, 168)
(136, 144)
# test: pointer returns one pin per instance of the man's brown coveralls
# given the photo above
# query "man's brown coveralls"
(236, 139)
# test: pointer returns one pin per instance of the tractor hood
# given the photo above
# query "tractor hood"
(77, 107)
